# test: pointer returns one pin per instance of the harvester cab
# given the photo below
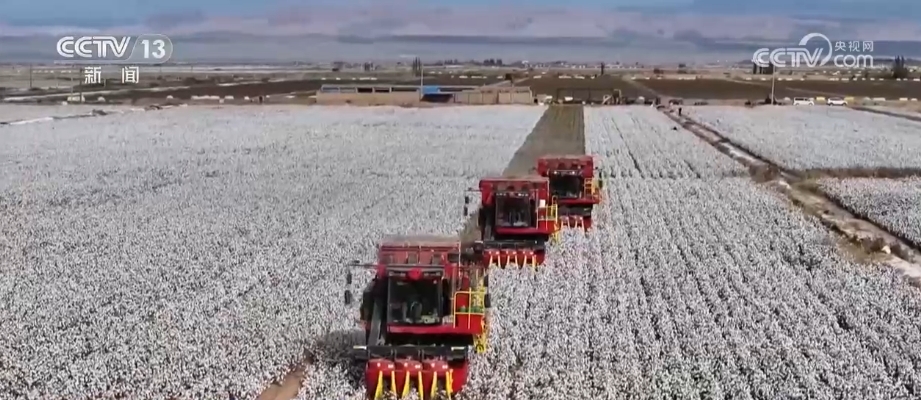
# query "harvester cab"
(573, 187)
(422, 312)
(517, 217)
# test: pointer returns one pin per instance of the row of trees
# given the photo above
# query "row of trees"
(899, 70)
(417, 67)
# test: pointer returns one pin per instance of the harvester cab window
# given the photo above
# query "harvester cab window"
(415, 302)
(566, 184)
(514, 211)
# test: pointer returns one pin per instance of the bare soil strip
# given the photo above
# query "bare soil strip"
(873, 239)
(561, 130)
(888, 113)
(286, 389)
(640, 87)
(880, 173)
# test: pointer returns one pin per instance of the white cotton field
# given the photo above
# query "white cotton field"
(194, 253)
(697, 289)
(894, 204)
(22, 112)
(198, 253)
(642, 142)
(809, 138)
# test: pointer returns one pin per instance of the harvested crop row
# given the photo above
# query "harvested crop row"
(894, 204)
(811, 138)
(640, 142)
(198, 252)
(700, 289)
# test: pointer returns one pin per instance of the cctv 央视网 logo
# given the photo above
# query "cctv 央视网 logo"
(93, 46)
(797, 56)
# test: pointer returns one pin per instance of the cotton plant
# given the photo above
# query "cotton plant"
(199, 252)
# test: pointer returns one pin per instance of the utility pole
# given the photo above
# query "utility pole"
(773, 76)
(30, 76)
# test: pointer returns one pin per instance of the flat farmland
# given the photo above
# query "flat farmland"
(197, 253)
(893, 203)
(889, 89)
(639, 142)
(722, 89)
(695, 286)
(817, 139)
(546, 85)
(290, 86)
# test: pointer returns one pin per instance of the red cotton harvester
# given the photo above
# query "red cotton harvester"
(422, 312)
(573, 187)
(516, 218)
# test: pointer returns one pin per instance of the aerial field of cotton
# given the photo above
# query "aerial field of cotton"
(818, 138)
(199, 253)
(697, 288)
(893, 203)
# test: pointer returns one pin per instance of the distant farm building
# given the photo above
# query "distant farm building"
(408, 94)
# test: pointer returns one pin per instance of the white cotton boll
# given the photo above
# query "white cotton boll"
(199, 253)
(696, 288)
(799, 138)
(894, 204)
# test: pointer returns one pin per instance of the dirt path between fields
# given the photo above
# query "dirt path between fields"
(561, 130)
(645, 90)
(916, 118)
(875, 241)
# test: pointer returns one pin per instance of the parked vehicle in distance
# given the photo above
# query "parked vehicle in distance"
(803, 101)
(836, 101)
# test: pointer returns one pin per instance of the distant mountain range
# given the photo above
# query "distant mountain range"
(623, 46)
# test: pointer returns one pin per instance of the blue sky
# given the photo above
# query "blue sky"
(105, 12)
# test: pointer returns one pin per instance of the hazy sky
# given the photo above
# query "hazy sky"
(114, 12)
(525, 29)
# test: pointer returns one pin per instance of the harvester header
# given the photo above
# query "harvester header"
(422, 312)
(516, 219)
(573, 186)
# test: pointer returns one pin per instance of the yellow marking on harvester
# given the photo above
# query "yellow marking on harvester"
(449, 382)
(379, 391)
